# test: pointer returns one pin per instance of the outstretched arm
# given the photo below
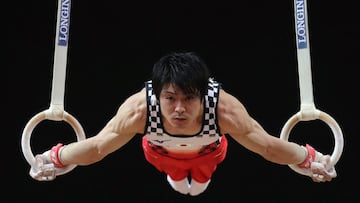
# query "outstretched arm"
(235, 121)
(129, 120)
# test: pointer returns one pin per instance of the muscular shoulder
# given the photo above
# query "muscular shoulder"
(232, 115)
(131, 115)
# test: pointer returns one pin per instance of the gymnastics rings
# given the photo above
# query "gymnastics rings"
(53, 113)
(316, 114)
(56, 110)
(308, 110)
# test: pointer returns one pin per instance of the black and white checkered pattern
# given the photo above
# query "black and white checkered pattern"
(210, 127)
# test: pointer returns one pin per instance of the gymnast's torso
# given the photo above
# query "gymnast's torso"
(208, 135)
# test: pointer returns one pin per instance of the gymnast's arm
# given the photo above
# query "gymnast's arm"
(129, 120)
(235, 121)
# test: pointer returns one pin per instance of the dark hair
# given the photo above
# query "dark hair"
(186, 70)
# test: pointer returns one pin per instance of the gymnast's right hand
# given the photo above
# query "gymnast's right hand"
(43, 169)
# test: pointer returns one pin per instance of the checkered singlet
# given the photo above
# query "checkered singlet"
(209, 134)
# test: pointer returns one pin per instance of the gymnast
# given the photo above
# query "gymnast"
(184, 116)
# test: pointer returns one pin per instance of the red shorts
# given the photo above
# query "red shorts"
(200, 167)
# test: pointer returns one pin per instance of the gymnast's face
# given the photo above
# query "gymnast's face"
(181, 113)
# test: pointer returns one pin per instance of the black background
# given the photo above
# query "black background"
(249, 47)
